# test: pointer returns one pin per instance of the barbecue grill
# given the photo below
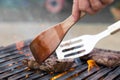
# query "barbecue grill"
(11, 68)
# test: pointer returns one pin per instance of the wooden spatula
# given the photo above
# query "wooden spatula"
(46, 43)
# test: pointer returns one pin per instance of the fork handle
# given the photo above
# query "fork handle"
(112, 29)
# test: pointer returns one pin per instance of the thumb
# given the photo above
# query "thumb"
(75, 10)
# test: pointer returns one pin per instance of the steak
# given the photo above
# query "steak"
(52, 64)
(108, 58)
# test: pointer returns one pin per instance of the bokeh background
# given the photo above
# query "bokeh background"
(25, 19)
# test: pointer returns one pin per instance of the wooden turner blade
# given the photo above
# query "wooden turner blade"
(46, 42)
(83, 45)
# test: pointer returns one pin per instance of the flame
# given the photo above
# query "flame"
(61, 74)
(91, 65)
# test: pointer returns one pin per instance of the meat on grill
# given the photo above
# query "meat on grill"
(108, 58)
(52, 64)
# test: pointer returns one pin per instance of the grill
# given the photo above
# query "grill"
(11, 68)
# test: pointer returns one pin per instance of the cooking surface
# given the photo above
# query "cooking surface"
(11, 67)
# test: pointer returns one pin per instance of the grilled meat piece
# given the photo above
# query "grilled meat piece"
(108, 58)
(52, 64)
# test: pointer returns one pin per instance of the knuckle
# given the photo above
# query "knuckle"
(97, 6)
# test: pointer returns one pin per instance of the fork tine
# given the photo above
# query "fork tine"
(76, 55)
(73, 51)
(72, 40)
(75, 45)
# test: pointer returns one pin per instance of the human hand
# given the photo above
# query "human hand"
(88, 6)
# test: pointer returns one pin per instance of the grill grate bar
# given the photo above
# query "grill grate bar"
(112, 75)
(85, 74)
(6, 68)
(78, 69)
(10, 58)
(7, 54)
(12, 47)
(12, 61)
(36, 76)
(99, 74)
(46, 77)
(10, 73)
(20, 75)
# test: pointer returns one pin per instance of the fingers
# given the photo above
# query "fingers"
(96, 5)
(75, 10)
(84, 5)
(93, 6)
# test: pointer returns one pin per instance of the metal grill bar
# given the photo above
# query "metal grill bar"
(6, 54)
(12, 61)
(6, 68)
(36, 76)
(113, 74)
(80, 68)
(12, 47)
(85, 74)
(20, 75)
(99, 74)
(46, 77)
(11, 72)
(3, 60)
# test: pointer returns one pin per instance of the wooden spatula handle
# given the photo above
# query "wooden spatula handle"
(69, 22)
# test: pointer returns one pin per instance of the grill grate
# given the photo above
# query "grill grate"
(11, 68)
